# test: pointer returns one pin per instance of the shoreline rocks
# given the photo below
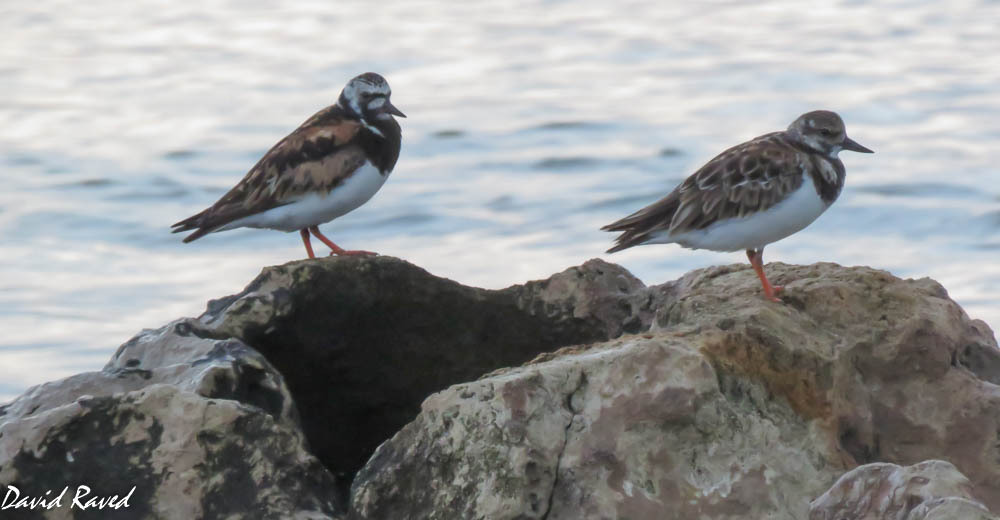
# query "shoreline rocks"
(369, 388)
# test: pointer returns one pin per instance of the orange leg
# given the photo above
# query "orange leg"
(305, 240)
(334, 248)
(757, 261)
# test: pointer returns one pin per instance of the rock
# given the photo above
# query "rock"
(201, 428)
(635, 429)
(731, 407)
(952, 508)
(173, 354)
(367, 388)
(881, 491)
(362, 341)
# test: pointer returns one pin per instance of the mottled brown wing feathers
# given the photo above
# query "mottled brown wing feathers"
(744, 179)
(317, 156)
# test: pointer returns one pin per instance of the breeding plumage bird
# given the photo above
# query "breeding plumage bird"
(330, 165)
(750, 195)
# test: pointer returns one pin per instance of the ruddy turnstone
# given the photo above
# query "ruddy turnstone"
(327, 167)
(750, 195)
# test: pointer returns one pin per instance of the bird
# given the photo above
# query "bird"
(751, 195)
(327, 167)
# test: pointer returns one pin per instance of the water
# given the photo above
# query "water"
(531, 124)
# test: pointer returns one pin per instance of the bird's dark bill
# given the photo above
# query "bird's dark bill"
(852, 145)
(388, 107)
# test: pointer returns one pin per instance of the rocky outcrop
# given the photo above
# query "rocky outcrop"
(363, 341)
(733, 407)
(204, 421)
(200, 428)
(586, 395)
(929, 490)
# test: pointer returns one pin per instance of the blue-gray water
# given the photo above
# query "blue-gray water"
(531, 124)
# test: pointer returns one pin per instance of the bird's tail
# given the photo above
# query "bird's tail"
(193, 222)
(638, 227)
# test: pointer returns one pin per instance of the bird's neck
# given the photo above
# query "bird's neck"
(828, 175)
(381, 140)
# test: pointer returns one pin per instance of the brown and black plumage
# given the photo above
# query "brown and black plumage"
(750, 195)
(328, 166)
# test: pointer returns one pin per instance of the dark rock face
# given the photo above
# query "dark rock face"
(363, 341)
(80, 447)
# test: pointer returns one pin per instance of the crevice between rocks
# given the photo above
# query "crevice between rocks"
(568, 404)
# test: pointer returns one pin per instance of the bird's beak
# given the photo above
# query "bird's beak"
(387, 107)
(852, 145)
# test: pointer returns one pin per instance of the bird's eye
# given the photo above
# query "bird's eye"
(826, 132)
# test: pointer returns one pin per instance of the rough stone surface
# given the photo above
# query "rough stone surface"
(175, 355)
(731, 407)
(692, 399)
(932, 489)
(362, 341)
(202, 428)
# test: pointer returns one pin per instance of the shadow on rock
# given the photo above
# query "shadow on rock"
(363, 341)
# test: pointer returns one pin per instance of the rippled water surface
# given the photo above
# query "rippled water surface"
(531, 124)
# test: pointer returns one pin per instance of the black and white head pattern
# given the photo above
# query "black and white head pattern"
(367, 96)
(821, 130)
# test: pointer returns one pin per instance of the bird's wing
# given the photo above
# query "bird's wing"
(317, 156)
(749, 177)
(745, 179)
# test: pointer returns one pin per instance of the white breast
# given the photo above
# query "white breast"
(789, 216)
(317, 208)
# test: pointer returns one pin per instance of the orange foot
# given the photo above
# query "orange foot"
(772, 294)
(756, 257)
(345, 252)
(335, 250)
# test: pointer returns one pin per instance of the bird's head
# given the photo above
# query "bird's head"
(824, 132)
(367, 96)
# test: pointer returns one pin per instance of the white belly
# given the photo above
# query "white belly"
(789, 216)
(317, 208)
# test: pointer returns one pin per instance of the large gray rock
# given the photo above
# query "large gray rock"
(362, 341)
(932, 489)
(639, 428)
(200, 428)
(732, 407)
